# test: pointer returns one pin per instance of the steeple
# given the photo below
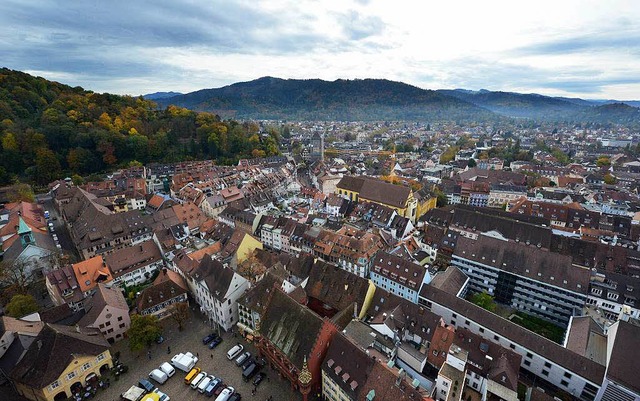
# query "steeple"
(24, 231)
(305, 376)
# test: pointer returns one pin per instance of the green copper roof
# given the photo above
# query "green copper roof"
(23, 228)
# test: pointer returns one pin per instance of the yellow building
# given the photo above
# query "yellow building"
(397, 197)
(60, 359)
(426, 200)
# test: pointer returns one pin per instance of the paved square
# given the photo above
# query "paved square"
(213, 362)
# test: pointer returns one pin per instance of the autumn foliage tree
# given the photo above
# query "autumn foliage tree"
(49, 130)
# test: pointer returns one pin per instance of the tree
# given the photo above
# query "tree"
(144, 330)
(16, 274)
(180, 313)
(609, 179)
(21, 305)
(603, 161)
(484, 300)
(47, 166)
(77, 180)
(471, 163)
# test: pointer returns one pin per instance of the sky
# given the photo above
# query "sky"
(588, 49)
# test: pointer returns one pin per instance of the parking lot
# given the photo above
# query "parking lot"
(214, 362)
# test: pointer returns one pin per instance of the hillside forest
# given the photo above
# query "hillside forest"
(49, 130)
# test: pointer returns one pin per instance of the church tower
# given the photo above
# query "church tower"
(24, 231)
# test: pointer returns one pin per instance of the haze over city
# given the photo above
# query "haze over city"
(585, 49)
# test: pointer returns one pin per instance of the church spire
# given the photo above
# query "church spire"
(305, 375)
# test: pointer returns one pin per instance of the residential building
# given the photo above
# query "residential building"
(543, 358)
(525, 277)
(398, 275)
(216, 289)
(623, 356)
(167, 289)
(108, 311)
(60, 359)
(89, 273)
(136, 264)
(63, 288)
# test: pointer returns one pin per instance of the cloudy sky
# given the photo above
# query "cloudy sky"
(582, 48)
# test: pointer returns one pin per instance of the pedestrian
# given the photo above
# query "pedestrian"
(197, 354)
(268, 379)
(168, 349)
(212, 355)
(149, 354)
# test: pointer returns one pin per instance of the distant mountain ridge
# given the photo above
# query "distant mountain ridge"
(380, 99)
(161, 95)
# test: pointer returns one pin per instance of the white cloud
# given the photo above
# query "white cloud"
(575, 48)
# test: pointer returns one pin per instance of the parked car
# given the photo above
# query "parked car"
(196, 380)
(235, 397)
(234, 351)
(213, 386)
(146, 385)
(167, 369)
(215, 342)
(243, 358)
(250, 371)
(159, 376)
(209, 338)
(258, 379)
(225, 394)
(202, 386)
(159, 340)
(191, 375)
(162, 396)
(247, 363)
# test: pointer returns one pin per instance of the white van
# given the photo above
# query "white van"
(234, 352)
(158, 375)
(204, 383)
(198, 379)
(225, 394)
(167, 369)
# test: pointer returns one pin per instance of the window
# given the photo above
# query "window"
(86, 366)
(71, 375)
(454, 315)
(567, 375)
(527, 363)
(564, 383)
(466, 322)
(512, 346)
(481, 330)
(547, 365)
(119, 318)
(54, 385)
(121, 325)
(100, 357)
(545, 372)
(496, 338)
(529, 355)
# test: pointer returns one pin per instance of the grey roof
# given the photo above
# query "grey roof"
(544, 347)
(291, 327)
(53, 350)
(347, 365)
(451, 280)
(624, 362)
(215, 275)
(541, 265)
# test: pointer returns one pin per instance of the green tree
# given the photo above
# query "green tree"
(609, 179)
(21, 305)
(449, 154)
(47, 166)
(484, 300)
(77, 180)
(603, 161)
(144, 330)
(471, 163)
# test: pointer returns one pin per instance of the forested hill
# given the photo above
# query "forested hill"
(341, 100)
(49, 130)
(379, 99)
